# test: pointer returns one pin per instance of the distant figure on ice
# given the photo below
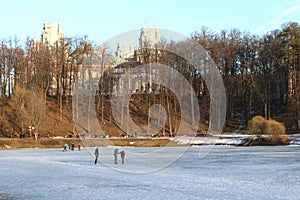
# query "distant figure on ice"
(116, 152)
(96, 155)
(78, 147)
(123, 156)
(73, 146)
(66, 147)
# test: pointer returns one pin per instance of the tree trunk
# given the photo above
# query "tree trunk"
(298, 93)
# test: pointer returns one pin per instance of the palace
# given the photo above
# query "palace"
(52, 34)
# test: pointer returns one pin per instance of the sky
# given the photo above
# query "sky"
(101, 20)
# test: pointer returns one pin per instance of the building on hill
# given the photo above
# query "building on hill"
(96, 60)
(52, 36)
(149, 38)
(149, 43)
(52, 33)
(124, 52)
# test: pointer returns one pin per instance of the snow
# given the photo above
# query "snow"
(219, 140)
(295, 140)
(201, 172)
(225, 139)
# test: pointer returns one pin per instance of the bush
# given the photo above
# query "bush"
(257, 125)
(275, 131)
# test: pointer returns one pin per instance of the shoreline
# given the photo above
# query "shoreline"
(16, 143)
(233, 140)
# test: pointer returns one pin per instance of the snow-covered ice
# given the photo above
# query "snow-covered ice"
(226, 172)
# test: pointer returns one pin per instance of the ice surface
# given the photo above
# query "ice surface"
(227, 172)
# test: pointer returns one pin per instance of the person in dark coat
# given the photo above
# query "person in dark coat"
(123, 156)
(96, 155)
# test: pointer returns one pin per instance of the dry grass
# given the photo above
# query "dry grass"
(14, 143)
(257, 125)
(275, 131)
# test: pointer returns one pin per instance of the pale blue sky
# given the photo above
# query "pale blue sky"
(101, 20)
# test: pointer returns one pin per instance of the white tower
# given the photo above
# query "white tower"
(52, 33)
(148, 38)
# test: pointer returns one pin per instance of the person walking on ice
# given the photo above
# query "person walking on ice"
(66, 147)
(123, 156)
(116, 152)
(96, 155)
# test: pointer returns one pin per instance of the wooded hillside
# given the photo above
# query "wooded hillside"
(261, 75)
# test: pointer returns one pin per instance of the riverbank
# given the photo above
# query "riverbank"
(229, 139)
(15, 143)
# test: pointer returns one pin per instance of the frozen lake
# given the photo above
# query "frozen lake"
(227, 172)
